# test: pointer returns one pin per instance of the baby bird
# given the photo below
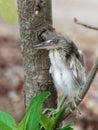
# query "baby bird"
(67, 65)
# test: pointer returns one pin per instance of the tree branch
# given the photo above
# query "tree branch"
(85, 25)
(70, 105)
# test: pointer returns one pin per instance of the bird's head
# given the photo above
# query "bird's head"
(55, 43)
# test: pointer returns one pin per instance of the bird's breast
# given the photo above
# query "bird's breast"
(61, 74)
(56, 60)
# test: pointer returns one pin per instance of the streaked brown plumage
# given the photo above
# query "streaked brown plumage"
(67, 65)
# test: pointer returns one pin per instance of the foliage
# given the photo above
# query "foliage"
(33, 119)
(68, 127)
(6, 122)
(8, 10)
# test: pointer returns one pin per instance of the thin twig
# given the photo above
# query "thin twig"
(85, 25)
(70, 105)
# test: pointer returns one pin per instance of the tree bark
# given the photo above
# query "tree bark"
(34, 18)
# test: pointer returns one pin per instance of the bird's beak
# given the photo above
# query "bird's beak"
(44, 45)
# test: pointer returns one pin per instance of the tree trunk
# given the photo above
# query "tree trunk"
(34, 18)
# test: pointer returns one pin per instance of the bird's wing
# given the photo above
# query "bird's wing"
(78, 70)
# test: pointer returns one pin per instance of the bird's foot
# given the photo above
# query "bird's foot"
(51, 112)
(75, 105)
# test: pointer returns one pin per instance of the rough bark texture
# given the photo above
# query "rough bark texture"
(34, 18)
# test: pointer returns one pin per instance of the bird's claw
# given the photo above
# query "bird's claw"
(51, 112)
(75, 105)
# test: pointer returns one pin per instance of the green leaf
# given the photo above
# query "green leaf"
(57, 116)
(49, 123)
(6, 121)
(35, 111)
(46, 122)
(8, 10)
(32, 118)
(22, 124)
(68, 127)
(4, 126)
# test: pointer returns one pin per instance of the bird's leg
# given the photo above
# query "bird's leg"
(74, 99)
(48, 110)
(51, 111)
(59, 106)
(75, 105)
(61, 102)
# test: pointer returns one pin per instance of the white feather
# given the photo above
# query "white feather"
(61, 74)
